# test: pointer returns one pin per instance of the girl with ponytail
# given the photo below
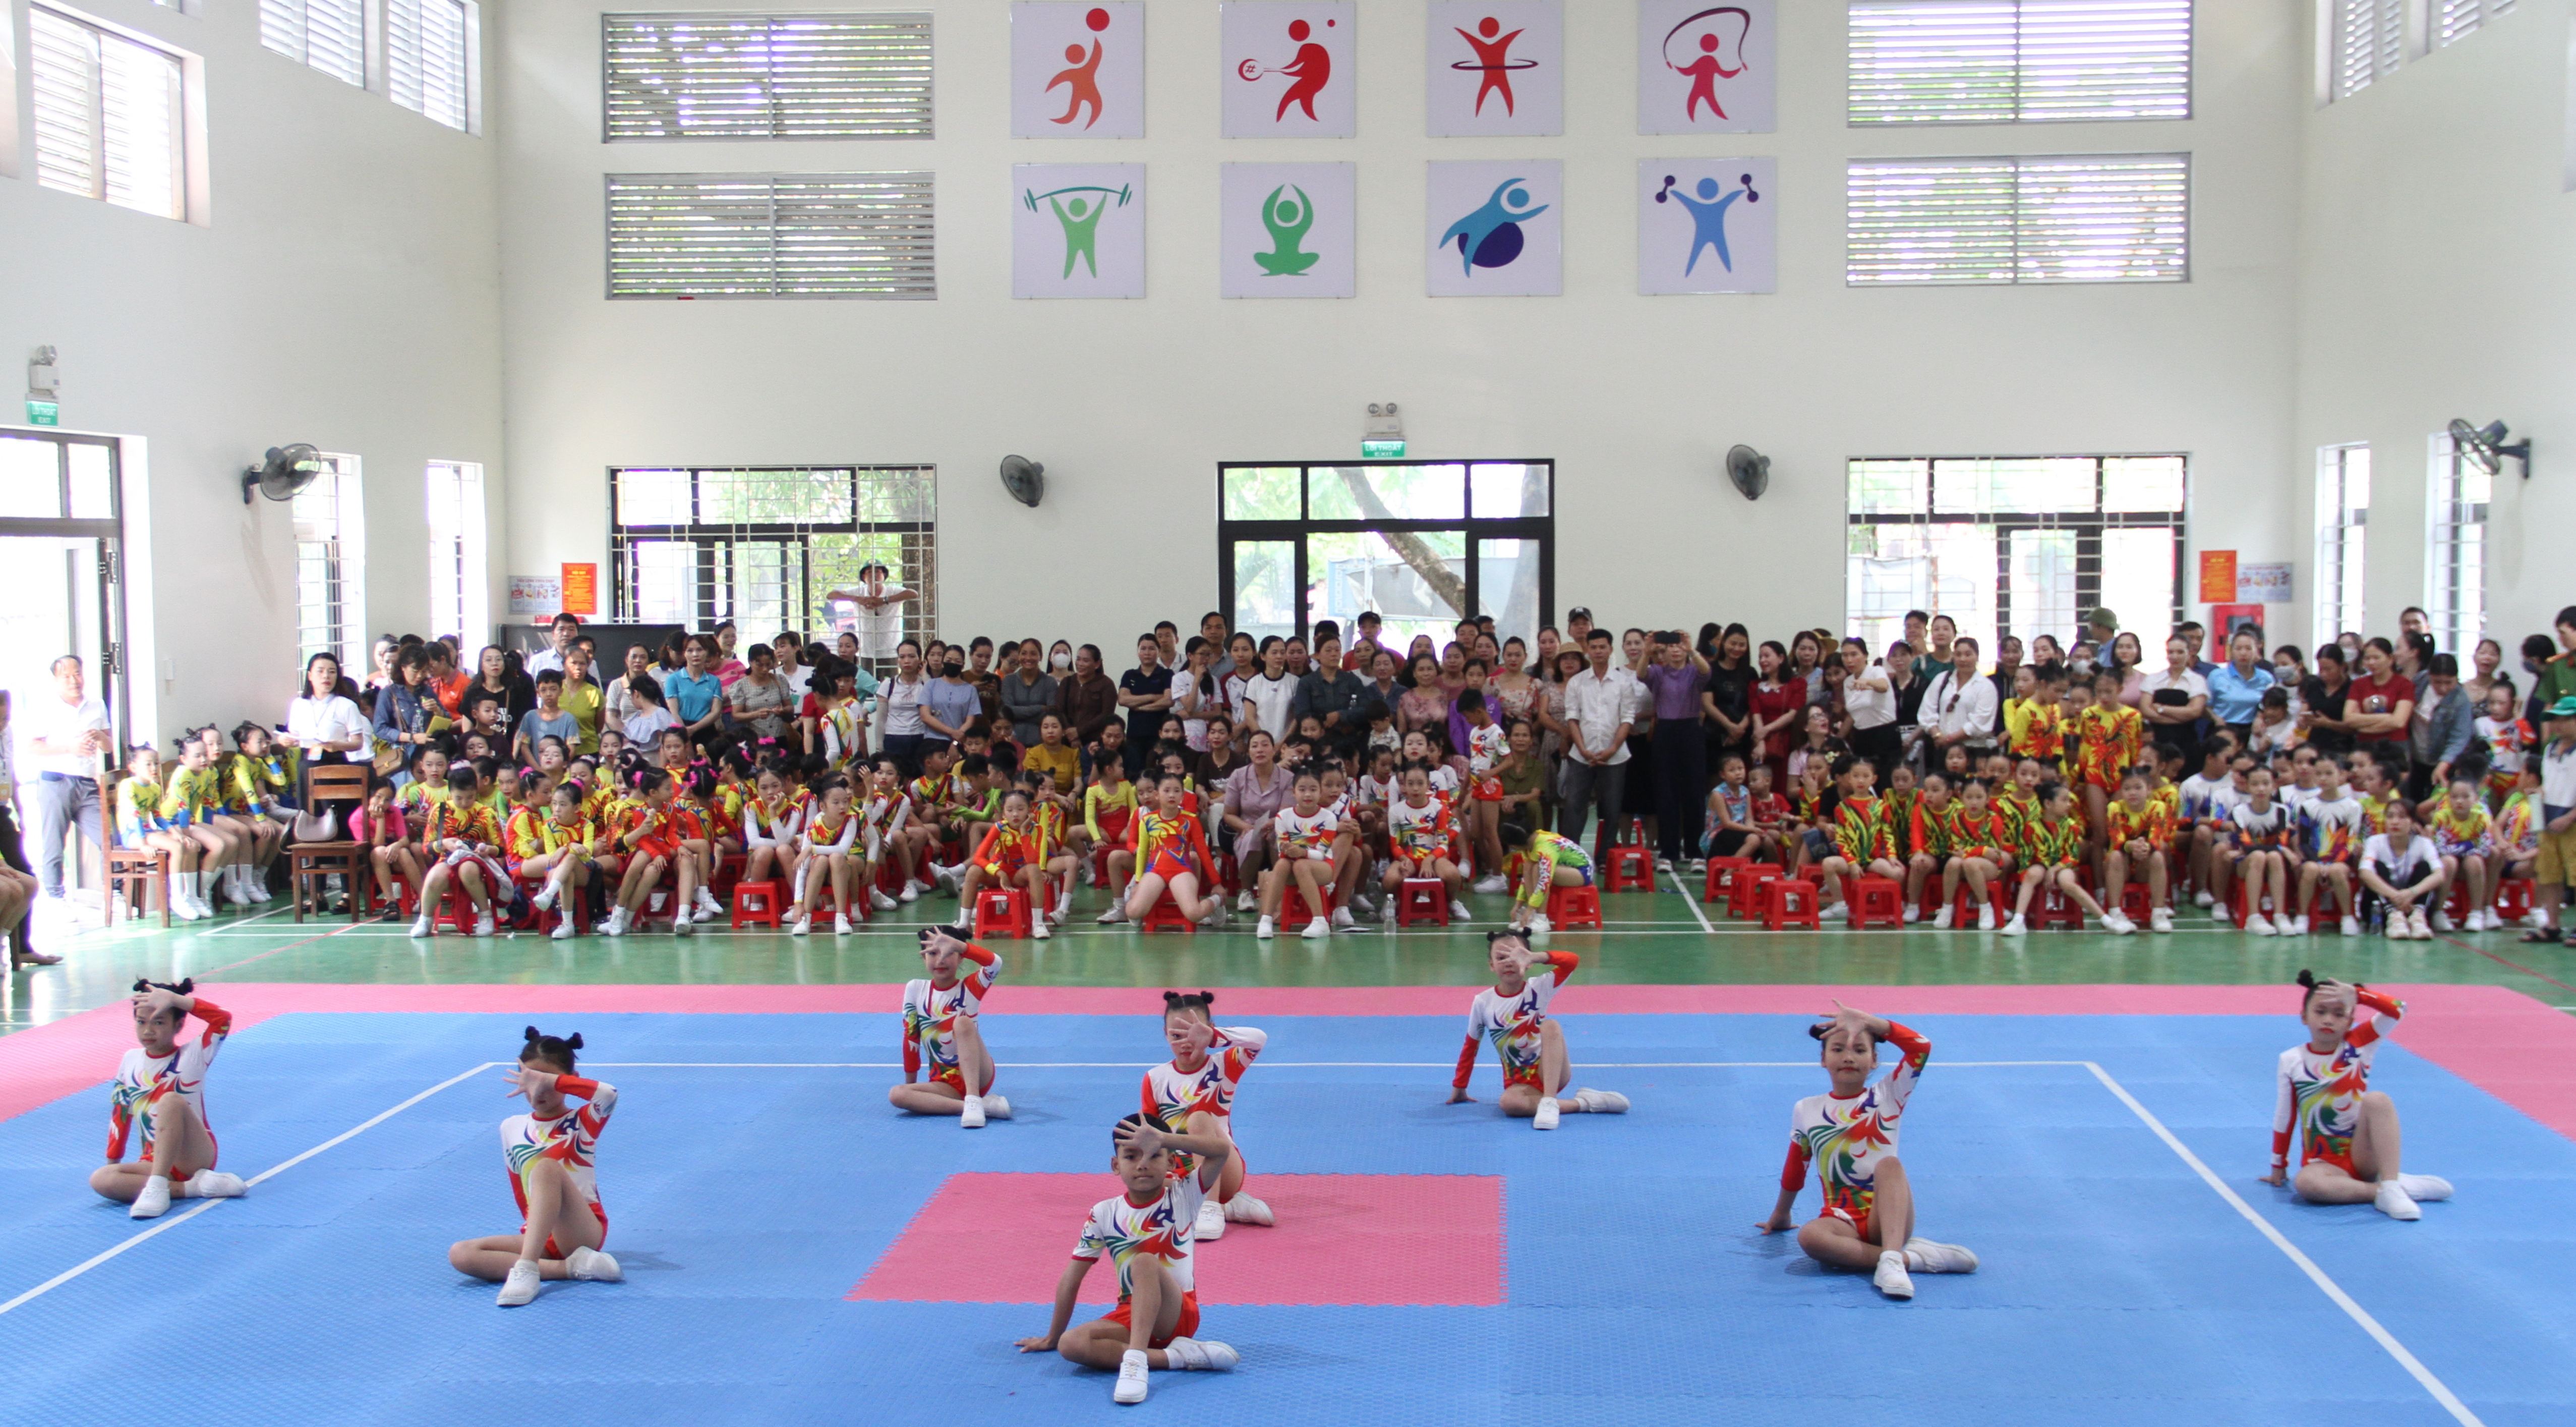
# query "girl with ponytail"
(161, 1085)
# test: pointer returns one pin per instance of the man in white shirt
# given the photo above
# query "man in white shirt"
(567, 628)
(65, 736)
(1600, 704)
(880, 603)
(1960, 706)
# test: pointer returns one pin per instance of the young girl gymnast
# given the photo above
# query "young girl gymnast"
(1420, 832)
(1513, 1014)
(828, 855)
(1849, 1135)
(1170, 851)
(1193, 1094)
(162, 1084)
(1148, 1231)
(2052, 847)
(2138, 836)
(552, 1154)
(559, 850)
(1014, 853)
(941, 1039)
(461, 843)
(1547, 860)
(1304, 833)
(2347, 1132)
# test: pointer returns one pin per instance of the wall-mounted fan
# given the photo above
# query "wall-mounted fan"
(1749, 469)
(2485, 448)
(284, 471)
(1024, 479)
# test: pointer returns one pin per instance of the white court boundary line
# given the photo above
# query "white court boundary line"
(2333, 1291)
(171, 1221)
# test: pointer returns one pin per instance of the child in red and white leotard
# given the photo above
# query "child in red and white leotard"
(461, 841)
(1193, 1093)
(1421, 831)
(941, 1039)
(1850, 1138)
(161, 1084)
(552, 1154)
(1170, 851)
(1014, 853)
(830, 855)
(2347, 1132)
(652, 836)
(1512, 1013)
(1304, 833)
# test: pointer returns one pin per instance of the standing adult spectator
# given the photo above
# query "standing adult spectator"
(581, 696)
(1675, 682)
(760, 701)
(1364, 642)
(1600, 706)
(1869, 699)
(619, 704)
(402, 708)
(1906, 682)
(948, 703)
(2176, 701)
(2322, 701)
(904, 695)
(13, 857)
(2555, 679)
(1145, 692)
(793, 671)
(501, 675)
(979, 672)
(1268, 694)
(2381, 709)
(2236, 688)
(1220, 646)
(66, 736)
(2445, 715)
(2008, 664)
(2102, 628)
(1088, 700)
(1960, 707)
(1027, 692)
(2195, 635)
(566, 628)
(1779, 708)
(1943, 632)
(695, 695)
(880, 612)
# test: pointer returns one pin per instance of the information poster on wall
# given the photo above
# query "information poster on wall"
(1078, 230)
(2263, 584)
(581, 590)
(1496, 228)
(1288, 69)
(1289, 230)
(2217, 577)
(538, 595)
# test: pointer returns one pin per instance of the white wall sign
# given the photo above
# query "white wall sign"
(1078, 70)
(536, 594)
(1495, 67)
(1077, 230)
(1290, 69)
(1289, 230)
(2263, 584)
(1496, 229)
(1707, 69)
(1707, 225)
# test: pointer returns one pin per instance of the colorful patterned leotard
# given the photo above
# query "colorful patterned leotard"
(571, 1139)
(1171, 1095)
(1513, 1022)
(1846, 1137)
(930, 1017)
(2320, 1095)
(1163, 1227)
(142, 1079)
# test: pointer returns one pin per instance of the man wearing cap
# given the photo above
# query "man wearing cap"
(2555, 868)
(1578, 626)
(2101, 627)
(880, 611)
(567, 628)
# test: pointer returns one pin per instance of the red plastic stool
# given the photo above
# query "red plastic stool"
(1874, 900)
(2513, 898)
(2054, 908)
(1721, 877)
(2240, 896)
(1627, 866)
(2136, 903)
(1292, 902)
(1166, 916)
(1421, 899)
(1569, 907)
(1790, 902)
(1930, 902)
(757, 904)
(1744, 889)
(1964, 909)
(1004, 910)
(575, 905)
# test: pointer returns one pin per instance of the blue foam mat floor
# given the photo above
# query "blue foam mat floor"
(746, 1201)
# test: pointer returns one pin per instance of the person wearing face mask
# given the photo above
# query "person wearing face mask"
(949, 703)
(1028, 691)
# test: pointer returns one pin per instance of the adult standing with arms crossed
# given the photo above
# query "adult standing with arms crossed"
(1600, 705)
(65, 736)
(1675, 678)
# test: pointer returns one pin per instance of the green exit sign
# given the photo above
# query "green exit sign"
(1382, 450)
(47, 413)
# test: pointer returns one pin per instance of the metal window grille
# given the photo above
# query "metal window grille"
(763, 545)
(2456, 18)
(2343, 530)
(2018, 545)
(108, 115)
(2368, 41)
(2455, 548)
(2041, 219)
(329, 35)
(835, 235)
(458, 582)
(427, 59)
(855, 74)
(329, 542)
(2019, 61)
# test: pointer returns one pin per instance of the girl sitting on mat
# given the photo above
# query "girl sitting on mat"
(1850, 1137)
(552, 1153)
(1513, 1014)
(941, 1035)
(2347, 1132)
(1148, 1232)
(1193, 1094)
(163, 1084)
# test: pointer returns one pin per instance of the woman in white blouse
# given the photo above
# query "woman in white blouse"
(322, 722)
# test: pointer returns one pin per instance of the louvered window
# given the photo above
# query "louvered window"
(2343, 532)
(857, 74)
(2369, 42)
(2038, 219)
(330, 35)
(2454, 18)
(2019, 61)
(458, 592)
(427, 57)
(770, 235)
(108, 116)
(330, 554)
(2455, 548)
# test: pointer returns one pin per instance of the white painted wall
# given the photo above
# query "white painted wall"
(2435, 282)
(1131, 405)
(345, 293)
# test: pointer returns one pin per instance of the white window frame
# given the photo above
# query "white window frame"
(2456, 502)
(2008, 220)
(2361, 42)
(765, 236)
(405, 61)
(1916, 62)
(459, 558)
(330, 563)
(188, 196)
(286, 28)
(2452, 21)
(2343, 546)
(725, 76)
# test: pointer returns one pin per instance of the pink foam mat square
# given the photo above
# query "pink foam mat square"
(1401, 1240)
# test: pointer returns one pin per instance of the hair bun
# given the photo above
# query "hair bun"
(2307, 979)
(573, 1041)
(1817, 1030)
(532, 1034)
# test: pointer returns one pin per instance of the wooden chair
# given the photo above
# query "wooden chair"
(312, 861)
(140, 872)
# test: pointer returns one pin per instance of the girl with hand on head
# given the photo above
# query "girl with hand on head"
(552, 1152)
(1512, 1013)
(942, 1041)
(2347, 1132)
(161, 1084)
(1193, 1094)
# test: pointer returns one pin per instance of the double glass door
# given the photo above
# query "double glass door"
(60, 559)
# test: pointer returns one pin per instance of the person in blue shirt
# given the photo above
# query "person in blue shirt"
(549, 719)
(695, 695)
(2236, 687)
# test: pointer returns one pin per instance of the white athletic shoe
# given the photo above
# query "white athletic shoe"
(2160, 920)
(520, 1287)
(1925, 1256)
(2018, 926)
(1038, 928)
(153, 1202)
(2260, 925)
(1986, 917)
(1244, 900)
(1545, 1119)
(840, 924)
(2422, 932)
(2441, 920)
(1488, 886)
(1941, 919)
(1195, 1355)
(564, 930)
(681, 922)
(1835, 913)
(215, 1184)
(1211, 1221)
(2394, 1201)
(2350, 926)
(2293, 926)
(1132, 1374)
(708, 905)
(544, 901)
(2202, 898)
(1601, 1102)
(1913, 913)
(2225, 914)
(878, 899)
(1891, 1278)
(1319, 929)
(1342, 920)
(2424, 1188)
(483, 925)
(1117, 913)
(258, 885)
(1265, 929)
(2397, 928)
(421, 926)
(971, 1115)
(996, 1108)
(1540, 926)
(1458, 911)
(801, 926)
(2117, 923)
(592, 1266)
(912, 891)
(618, 922)
(1244, 1209)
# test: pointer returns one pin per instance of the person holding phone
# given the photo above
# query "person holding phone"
(1675, 677)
